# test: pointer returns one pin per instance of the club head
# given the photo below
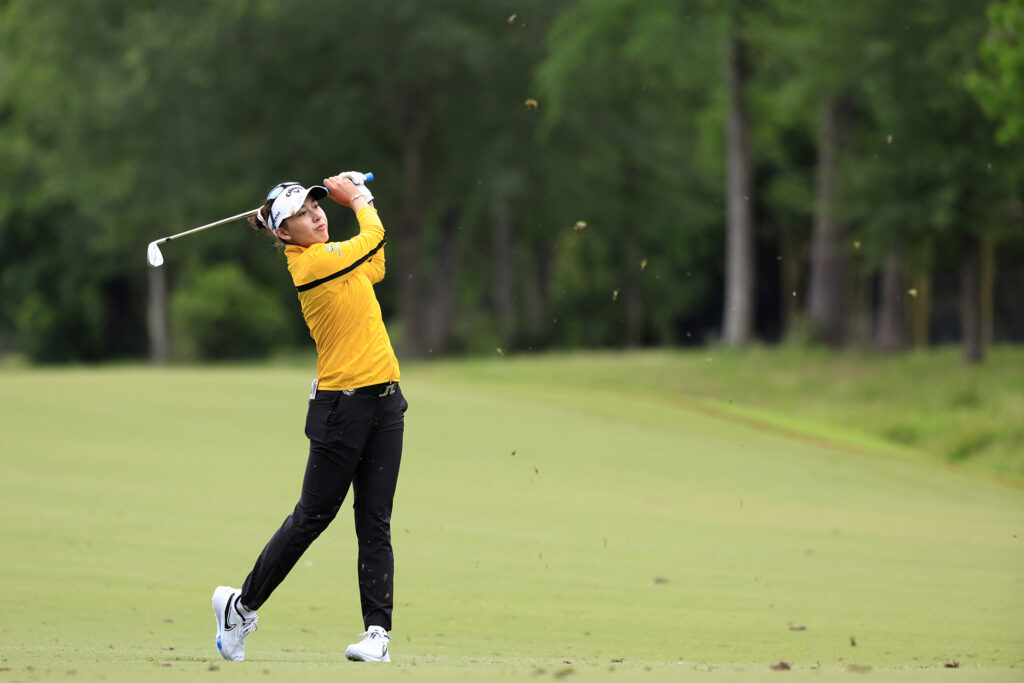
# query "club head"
(153, 255)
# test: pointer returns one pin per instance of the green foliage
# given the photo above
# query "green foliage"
(998, 83)
(222, 313)
(639, 174)
(122, 122)
(47, 325)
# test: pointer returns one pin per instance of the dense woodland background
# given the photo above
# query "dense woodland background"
(553, 174)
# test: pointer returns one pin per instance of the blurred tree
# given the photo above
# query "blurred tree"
(919, 177)
(223, 313)
(811, 61)
(123, 122)
(738, 314)
(998, 82)
(624, 89)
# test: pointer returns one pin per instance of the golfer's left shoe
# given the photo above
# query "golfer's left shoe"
(372, 648)
(232, 627)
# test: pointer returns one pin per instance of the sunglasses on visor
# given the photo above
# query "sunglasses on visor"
(276, 191)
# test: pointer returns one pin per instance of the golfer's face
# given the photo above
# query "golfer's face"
(308, 225)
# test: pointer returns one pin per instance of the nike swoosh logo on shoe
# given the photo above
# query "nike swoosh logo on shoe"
(227, 607)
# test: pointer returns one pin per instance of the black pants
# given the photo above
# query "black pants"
(353, 439)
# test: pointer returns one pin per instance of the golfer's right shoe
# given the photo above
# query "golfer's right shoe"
(372, 648)
(232, 627)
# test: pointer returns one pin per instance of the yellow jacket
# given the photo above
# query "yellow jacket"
(335, 284)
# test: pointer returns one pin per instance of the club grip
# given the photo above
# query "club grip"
(369, 176)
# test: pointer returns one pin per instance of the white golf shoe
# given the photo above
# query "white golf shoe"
(372, 648)
(232, 627)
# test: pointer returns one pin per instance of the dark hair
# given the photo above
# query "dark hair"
(254, 222)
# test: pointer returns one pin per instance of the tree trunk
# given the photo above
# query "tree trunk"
(415, 122)
(437, 327)
(921, 302)
(970, 302)
(791, 258)
(156, 314)
(634, 300)
(891, 321)
(535, 290)
(826, 304)
(738, 316)
(988, 287)
(503, 271)
(859, 324)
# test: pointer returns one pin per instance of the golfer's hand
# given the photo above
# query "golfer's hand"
(359, 180)
(343, 191)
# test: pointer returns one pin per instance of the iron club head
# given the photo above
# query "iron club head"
(153, 255)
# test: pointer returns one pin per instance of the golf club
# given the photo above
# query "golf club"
(156, 259)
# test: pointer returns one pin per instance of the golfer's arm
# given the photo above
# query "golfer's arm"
(373, 267)
(339, 259)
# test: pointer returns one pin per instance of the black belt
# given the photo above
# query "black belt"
(379, 390)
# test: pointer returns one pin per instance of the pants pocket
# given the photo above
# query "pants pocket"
(318, 416)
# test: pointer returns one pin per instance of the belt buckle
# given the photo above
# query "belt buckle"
(388, 390)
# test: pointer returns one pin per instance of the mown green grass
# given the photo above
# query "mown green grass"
(553, 516)
(921, 403)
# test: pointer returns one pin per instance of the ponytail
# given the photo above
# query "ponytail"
(259, 222)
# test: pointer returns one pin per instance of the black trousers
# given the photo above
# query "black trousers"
(353, 439)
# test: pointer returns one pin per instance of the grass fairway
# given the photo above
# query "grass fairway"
(542, 532)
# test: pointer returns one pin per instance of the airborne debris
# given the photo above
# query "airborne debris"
(513, 451)
(853, 642)
(797, 627)
(659, 581)
(579, 225)
(643, 264)
(531, 104)
(615, 294)
(952, 664)
(500, 352)
(856, 245)
(912, 292)
(888, 139)
(858, 668)
(512, 18)
(781, 666)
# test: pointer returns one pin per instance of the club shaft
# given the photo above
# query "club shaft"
(207, 226)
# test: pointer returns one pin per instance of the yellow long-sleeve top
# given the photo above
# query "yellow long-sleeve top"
(335, 284)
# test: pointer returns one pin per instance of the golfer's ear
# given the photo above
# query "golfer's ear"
(283, 234)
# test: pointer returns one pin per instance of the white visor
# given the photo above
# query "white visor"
(288, 202)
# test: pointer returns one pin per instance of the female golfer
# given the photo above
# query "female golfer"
(356, 411)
